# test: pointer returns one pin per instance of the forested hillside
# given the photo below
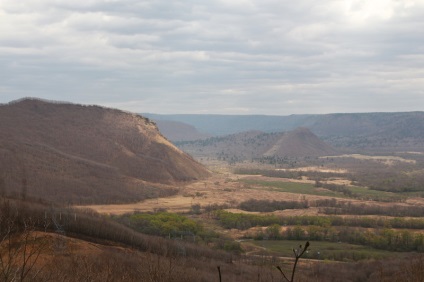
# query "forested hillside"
(256, 144)
(356, 131)
(74, 153)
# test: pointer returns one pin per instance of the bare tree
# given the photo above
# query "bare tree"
(20, 245)
(297, 254)
(2, 186)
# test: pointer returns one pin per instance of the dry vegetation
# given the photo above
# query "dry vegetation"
(102, 260)
(251, 145)
(97, 249)
(219, 189)
(142, 210)
(87, 154)
(371, 216)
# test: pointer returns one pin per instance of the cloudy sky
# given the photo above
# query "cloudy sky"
(274, 57)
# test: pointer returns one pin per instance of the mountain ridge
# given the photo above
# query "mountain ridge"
(300, 142)
(63, 148)
(371, 132)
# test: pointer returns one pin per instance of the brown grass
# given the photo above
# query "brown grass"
(387, 160)
(226, 188)
(80, 260)
(218, 189)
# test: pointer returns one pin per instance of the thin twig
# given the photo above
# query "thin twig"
(298, 253)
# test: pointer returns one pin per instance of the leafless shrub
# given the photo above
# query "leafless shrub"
(20, 245)
(297, 255)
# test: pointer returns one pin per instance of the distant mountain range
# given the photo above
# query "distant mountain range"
(179, 131)
(355, 131)
(256, 144)
(86, 154)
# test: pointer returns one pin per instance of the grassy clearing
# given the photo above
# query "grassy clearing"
(321, 250)
(293, 187)
(369, 194)
(310, 189)
(384, 159)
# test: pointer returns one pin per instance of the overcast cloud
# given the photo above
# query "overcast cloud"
(230, 57)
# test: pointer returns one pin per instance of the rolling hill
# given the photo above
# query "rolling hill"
(369, 132)
(300, 142)
(179, 131)
(87, 154)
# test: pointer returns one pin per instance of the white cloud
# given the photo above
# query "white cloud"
(228, 56)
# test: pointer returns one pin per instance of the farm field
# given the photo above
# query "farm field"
(229, 189)
(230, 192)
(226, 188)
(318, 250)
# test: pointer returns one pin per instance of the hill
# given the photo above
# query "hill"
(98, 248)
(87, 154)
(221, 125)
(300, 142)
(179, 131)
(374, 132)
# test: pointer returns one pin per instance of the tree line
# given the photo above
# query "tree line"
(245, 221)
(385, 238)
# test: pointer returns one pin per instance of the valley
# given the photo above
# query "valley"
(265, 212)
(102, 191)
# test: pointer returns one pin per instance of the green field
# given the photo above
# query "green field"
(310, 189)
(293, 187)
(321, 250)
(370, 194)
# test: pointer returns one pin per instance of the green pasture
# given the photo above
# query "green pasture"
(293, 187)
(321, 250)
(369, 194)
(310, 189)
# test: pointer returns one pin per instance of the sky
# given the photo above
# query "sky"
(273, 57)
